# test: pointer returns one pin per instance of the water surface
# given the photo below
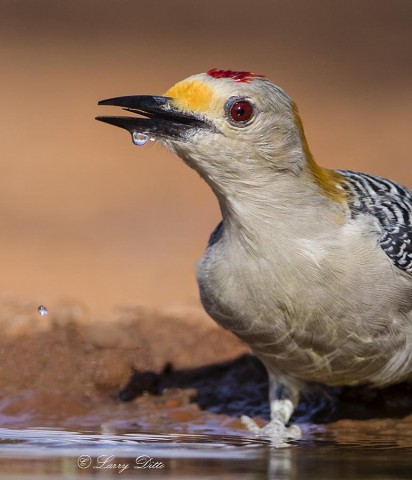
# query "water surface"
(56, 453)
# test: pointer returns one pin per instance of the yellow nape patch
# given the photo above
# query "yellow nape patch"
(192, 95)
(329, 181)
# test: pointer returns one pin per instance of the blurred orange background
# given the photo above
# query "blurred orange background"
(84, 213)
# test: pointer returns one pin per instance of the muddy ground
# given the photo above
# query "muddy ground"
(144, 371)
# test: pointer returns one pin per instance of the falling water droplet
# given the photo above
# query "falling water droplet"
(140, 138)
(42, 310)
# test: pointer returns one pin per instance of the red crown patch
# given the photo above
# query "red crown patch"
(236, 76)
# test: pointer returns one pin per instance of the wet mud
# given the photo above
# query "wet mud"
(142, 370)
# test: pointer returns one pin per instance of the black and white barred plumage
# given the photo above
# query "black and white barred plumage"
(391, 204)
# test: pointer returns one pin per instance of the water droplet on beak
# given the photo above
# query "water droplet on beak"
(140, 138)
(42, 310)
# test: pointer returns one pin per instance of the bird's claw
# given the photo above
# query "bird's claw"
(276, 431)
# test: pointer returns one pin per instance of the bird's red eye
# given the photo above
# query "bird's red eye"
(241, 111)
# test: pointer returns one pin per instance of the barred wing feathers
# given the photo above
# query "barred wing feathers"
(391, 204)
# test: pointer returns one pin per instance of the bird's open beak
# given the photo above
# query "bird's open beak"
(159, 117)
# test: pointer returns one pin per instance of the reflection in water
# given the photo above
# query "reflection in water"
(54, 453)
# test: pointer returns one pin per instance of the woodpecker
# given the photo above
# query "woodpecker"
(311, 267)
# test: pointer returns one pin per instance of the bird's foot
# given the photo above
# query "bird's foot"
(276, 431)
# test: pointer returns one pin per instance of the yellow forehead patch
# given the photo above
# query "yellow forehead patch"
(192, 95)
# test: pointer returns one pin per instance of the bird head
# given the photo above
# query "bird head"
(235, 128)
(220, 122)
